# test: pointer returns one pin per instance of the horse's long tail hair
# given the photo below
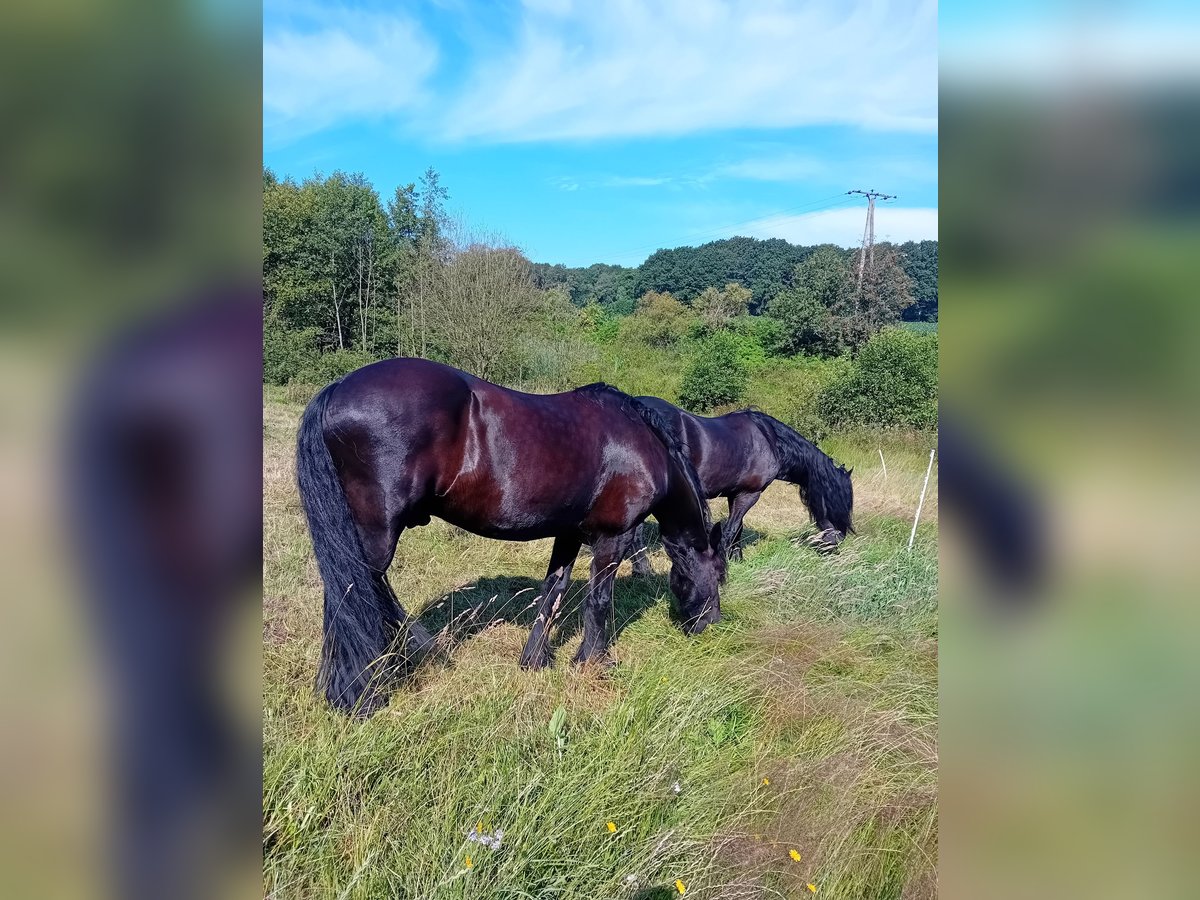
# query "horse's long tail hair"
(362, 618)
(825, 486)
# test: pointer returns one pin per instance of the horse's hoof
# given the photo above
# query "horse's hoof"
(532, 662)
(826, 541)
(597, 658)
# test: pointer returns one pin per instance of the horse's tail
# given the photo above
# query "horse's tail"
(362, 618)
(676, 443)
(825, 486)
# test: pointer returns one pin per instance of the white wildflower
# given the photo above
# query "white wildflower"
(492, 841)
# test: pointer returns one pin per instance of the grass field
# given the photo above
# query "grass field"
(790, 749)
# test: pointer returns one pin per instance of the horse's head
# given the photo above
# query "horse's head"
(697, 573)
(833, 508)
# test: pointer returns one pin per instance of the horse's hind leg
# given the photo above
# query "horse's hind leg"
(536, 654)
(379, 538)
(640, 553)
(607, 553)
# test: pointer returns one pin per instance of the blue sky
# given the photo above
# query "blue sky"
(598, 132)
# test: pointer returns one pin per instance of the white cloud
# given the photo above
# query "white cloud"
(635, 181)
(570, 183)
(629, 68)
(785, 167)
(344, 65)
(844, 227)
(796, 167)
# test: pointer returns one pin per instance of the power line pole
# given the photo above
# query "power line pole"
(868, 241)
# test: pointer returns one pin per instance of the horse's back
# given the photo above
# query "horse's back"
(429, 438)
(731, 453)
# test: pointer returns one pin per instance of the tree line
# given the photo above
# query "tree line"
(350, 278)
(764, 267)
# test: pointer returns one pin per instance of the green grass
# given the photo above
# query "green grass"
(822, 680)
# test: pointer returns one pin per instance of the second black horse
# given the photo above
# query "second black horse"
(739, 454)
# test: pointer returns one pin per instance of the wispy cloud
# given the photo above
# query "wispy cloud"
(799, 167)
(630, 68)
(570, 183)
(844, 227)
(783, 167)
(327, 67)
(557, 70)
(635, 180)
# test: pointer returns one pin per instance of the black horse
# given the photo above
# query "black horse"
(739, 454)
(399, 441)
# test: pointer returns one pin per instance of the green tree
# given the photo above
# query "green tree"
(292, 268)
(716, 375)
(920, 260)
(804, 311)
(659, 321)
(761, 266)
(893, 381)
(718, 308)
(886, 290)
(481, 302)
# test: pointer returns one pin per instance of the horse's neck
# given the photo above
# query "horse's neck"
(679, 514)
(795, 464)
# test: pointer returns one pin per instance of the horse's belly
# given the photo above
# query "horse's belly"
(491, 517)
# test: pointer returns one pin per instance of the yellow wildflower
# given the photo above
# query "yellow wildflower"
(766, 781)
(794, 854)
(469, 863)
(612, 826)
(680, 886)
(812, 887)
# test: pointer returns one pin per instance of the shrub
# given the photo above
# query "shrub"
(660, 320)
(288, 354)
(715, 376)
(790, 389)
(336, 363)
(894, 381)
(598, 324)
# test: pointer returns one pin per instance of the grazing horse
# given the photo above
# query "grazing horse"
(397, 442)
(739, 454)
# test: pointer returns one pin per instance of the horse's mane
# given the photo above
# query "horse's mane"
(825, 486)
(672, 439)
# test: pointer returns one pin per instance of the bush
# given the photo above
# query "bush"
(894, 381)
(790, 389)
(598, 324)
(288, 354)
(660, 321)
(715, 376)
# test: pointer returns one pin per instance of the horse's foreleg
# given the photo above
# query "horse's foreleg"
(739, 505)
(607, 553)
(536, 654)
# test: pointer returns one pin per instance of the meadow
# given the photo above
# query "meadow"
(791, 750)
